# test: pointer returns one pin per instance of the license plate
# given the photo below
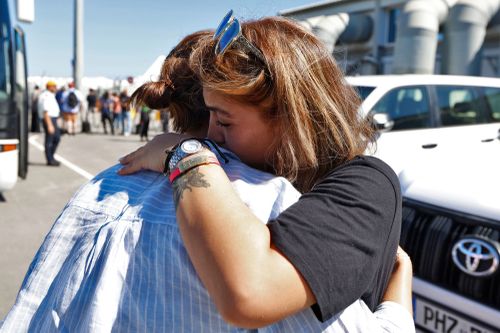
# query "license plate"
(437, 319)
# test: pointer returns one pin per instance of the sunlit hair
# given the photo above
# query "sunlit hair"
(178, 89)
(300, 90)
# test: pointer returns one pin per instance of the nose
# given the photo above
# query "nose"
(215, 132)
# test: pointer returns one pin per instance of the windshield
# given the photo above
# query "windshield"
(364, 91)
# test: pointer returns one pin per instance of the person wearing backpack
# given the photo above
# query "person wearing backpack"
(72, 103)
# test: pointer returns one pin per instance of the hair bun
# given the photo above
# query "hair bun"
(155, 95)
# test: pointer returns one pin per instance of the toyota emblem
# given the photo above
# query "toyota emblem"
(476, 256)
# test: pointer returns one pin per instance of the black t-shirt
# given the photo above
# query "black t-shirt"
(343, 235)
(91, 100)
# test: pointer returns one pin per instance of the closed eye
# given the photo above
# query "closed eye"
(218, 123)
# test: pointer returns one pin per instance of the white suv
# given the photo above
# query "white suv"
(441, 136)
(451, 229)
(427, 111)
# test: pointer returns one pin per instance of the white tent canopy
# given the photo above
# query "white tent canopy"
(97, 83)
(101, 83)
(151, 74)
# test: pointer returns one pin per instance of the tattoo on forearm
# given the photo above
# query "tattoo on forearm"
(193, 178)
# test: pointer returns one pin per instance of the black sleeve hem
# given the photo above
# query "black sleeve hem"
(303, 268)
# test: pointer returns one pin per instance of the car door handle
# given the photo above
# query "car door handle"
(429, 146)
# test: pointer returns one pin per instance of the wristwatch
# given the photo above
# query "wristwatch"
(184, 149)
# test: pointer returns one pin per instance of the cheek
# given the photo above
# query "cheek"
(249, 147)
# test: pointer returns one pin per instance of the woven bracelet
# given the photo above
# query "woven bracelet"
(184, 166)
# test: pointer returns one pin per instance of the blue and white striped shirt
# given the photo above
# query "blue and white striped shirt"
(114, 261)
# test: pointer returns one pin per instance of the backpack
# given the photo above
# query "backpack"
(72, 100)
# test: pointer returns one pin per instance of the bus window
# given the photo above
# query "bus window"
(21, 98)
(20, 61)
(4, 63)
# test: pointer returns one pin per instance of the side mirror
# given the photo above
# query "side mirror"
(382, 122)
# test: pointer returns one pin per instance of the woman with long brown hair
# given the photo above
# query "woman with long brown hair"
(278, 100)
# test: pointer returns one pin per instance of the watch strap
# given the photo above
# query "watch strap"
(179, 153)
(207, 143)
(169, 153)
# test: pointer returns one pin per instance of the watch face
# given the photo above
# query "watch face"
(191, 146)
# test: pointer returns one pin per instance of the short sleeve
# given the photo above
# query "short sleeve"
(342, 236)
(45, 104)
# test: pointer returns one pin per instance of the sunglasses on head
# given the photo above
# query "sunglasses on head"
(228, 32)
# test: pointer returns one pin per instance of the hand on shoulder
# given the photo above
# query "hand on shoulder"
(151, 156)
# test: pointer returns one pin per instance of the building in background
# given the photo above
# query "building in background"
(459, 37)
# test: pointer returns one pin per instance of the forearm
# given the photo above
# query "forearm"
(251, 283)
(215, 227)
(48, 121)
(399, 289)
(46, 118)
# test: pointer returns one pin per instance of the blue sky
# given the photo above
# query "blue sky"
(123, 37)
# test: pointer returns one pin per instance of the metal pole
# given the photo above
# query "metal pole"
(376, 38)
(78, 45)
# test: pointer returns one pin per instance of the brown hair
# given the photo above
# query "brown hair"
(301, 90)
(178, 88)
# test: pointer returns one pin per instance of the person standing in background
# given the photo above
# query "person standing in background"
(59, 97)
(117, 111)
(126, 123)
(92, 106)
(48, 111)
(35, 120)
(165, 118)
(144, 124)
(72, 103)
(106, 104)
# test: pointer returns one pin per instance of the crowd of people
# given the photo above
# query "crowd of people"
(114, 111)
(59, 110)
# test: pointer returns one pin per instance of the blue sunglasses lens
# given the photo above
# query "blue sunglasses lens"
(229, 35)
(223, 24)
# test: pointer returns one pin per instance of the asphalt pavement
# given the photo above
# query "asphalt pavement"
(29, 210)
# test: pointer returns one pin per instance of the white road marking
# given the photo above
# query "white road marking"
(65, 162)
